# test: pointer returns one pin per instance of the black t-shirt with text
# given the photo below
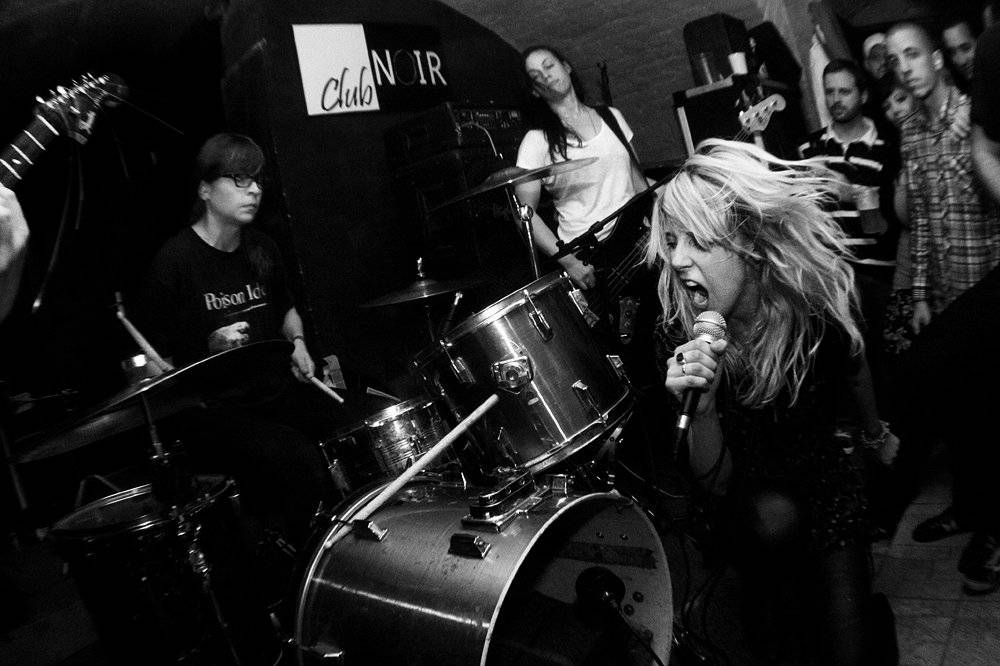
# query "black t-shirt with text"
(193, 289)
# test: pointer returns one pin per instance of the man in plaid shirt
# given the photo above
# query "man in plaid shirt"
(956, 229)
(959, 349)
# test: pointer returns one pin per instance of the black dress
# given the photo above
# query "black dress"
(792, 447)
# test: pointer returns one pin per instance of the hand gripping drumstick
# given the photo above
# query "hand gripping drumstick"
(326, 389)
(147, 348)
(424, 460)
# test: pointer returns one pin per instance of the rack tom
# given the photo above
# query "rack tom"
(560, 391)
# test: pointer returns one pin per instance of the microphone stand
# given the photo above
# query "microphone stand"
(588, 239)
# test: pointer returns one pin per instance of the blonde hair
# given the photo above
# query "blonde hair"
(769, 212)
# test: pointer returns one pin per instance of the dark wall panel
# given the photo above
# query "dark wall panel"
(338, 213)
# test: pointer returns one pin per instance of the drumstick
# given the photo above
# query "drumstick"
(425, 460)
(326, 389)
(147, 348)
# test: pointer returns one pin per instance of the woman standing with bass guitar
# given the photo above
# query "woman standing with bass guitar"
(564, 127)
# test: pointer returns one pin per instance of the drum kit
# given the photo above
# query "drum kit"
(499, 541)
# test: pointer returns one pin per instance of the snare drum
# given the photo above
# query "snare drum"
(560, 392)
(503, 577)
(383, 445)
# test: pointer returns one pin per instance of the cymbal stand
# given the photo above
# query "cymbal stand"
(174, 488)
(188, 531)
(521, 212)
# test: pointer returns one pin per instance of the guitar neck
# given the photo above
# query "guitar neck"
(24, 151)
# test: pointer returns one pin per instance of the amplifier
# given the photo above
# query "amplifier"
(449, 126)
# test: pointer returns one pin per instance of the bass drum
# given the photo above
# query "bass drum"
(523, 587)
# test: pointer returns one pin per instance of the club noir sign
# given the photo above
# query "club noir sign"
(349, 67)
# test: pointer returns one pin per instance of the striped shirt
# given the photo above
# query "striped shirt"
(956, 228)
(868, 161)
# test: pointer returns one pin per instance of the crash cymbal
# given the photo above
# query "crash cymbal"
(173, 391)
(422, 288)
(516, 175)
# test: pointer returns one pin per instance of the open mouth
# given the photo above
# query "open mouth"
(699, 295)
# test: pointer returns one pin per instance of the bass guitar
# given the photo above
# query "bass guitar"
(617, 260)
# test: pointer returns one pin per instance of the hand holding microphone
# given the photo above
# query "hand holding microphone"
(692, 370)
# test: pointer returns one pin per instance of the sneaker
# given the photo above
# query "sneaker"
(938, 527)
(980, 563)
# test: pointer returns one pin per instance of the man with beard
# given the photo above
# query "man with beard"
(853, 146)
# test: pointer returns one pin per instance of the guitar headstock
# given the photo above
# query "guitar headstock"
(73, 109)
(756, 118)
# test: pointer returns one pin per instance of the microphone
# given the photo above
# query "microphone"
(708, 326)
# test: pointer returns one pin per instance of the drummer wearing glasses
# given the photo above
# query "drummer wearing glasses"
(220, 283)
(563, 128)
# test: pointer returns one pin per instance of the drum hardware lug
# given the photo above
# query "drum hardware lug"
(619, 366)
(464, 544)
(513, 374)
(369, 529)
(458, 365)
(580, 301)
(537, 318)
(461, 370)
(583, 393)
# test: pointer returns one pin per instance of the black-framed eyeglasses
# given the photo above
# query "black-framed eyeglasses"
(243, 181)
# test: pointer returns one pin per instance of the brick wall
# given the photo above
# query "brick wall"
(641, 40)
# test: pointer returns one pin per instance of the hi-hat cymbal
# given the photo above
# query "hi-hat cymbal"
(422, 288)
(516, 175)
(174, 391)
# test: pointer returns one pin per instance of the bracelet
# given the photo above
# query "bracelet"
(875, 441)
(298, 337)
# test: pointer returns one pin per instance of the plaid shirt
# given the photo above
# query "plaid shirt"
(956, 229)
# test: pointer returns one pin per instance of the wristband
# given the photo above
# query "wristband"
(298, 337)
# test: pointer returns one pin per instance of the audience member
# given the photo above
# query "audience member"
(956, 245)
(874, 54)
(960, 45)
(853, 147)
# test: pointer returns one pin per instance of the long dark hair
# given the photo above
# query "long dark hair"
(539, 115)
(230, 153)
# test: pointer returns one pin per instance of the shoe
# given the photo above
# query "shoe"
(938, 527)
(980, 563)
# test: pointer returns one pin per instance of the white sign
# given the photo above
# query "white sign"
(347, 68)
(336, 72)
